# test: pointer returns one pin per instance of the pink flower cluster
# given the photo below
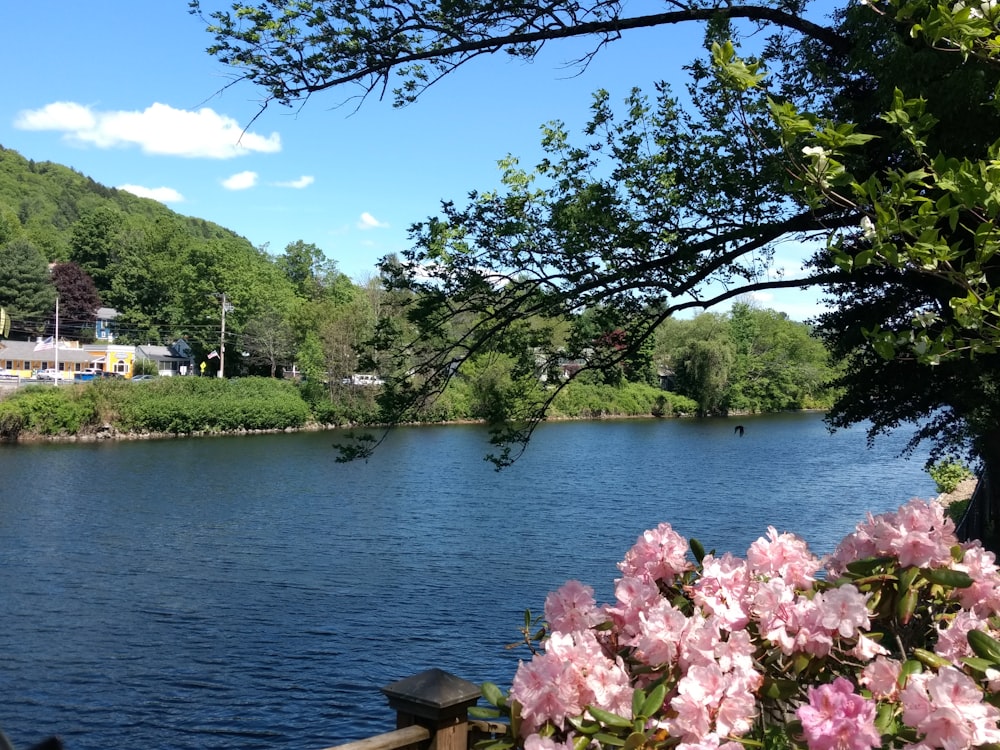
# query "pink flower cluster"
(837, 718)
(720, 633)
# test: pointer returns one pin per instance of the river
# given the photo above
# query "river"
(250, 592)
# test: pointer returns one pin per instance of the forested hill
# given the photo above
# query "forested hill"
(48, 199)
(164, 273)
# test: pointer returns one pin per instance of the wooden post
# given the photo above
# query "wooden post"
(438, 701)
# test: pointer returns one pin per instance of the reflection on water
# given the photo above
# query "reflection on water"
(249, 592)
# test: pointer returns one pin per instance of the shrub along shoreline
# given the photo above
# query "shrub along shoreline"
(174, 407)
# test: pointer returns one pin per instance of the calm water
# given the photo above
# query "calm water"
(252, 593)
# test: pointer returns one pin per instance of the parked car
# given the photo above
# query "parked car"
(142, 378)
(49, 373)
(89, 373)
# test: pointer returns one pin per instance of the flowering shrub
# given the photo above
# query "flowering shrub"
(888, 643)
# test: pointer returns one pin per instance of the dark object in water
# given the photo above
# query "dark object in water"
(739, 430)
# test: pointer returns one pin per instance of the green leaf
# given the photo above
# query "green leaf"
(653, 702)
(492, 694)
(609, 719)
(697, 550)
(984, 646)
(868, 566)
(638, 698)
(956, 579)
(609, 739)
(910, 666)
(583, 726)
(931, 659)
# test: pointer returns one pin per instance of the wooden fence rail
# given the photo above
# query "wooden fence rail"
(432, 713)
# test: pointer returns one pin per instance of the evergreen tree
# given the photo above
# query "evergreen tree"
(26, 289)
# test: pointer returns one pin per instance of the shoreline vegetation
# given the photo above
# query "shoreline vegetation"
(191, 407)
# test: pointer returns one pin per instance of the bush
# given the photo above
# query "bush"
(591, 400)
(185, 405)
(45, 410)
(948, 474)
(891, 642)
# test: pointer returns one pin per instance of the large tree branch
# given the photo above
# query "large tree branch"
(265, 53)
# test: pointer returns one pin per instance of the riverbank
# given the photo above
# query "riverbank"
(190, 407)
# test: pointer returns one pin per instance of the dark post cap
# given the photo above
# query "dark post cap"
(434, 694)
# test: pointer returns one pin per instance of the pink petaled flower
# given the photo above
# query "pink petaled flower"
(660, 553)
(572, 673)
(660, 634)
(537, 742)
(699, 693)
(983, 596)
(723, 590)
(736, 654)
(953, 641)
(918, 533)
(545, 691)
(635, 596)
(783, 555)
(572, 607)
(595, 678)
(867, 649)
(882, 678)
(948, 709)
(843, 610)
(699, 641)
(837, 718)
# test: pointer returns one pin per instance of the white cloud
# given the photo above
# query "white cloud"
(159, 129)
(303, 182)
(57, 116)
(367, 221)
(240, 181)
(161, 194)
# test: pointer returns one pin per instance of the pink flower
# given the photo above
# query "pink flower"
(882, 678)
(723, 590)
(918, 533)
(537, 742)
(953, 641)
(783, 555)
(660, 553)
(836, 718)
(843, 610)
(983, 596)
(660, 632)
(948, 709)
(572, 607)
(635, 596)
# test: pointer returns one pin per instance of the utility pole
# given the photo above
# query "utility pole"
(222, 342)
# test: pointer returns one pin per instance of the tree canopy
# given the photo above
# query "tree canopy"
(870, 134)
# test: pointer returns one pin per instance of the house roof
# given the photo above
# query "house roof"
(25, 350)
(159, 353)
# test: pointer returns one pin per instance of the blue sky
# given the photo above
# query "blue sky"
(125, 93)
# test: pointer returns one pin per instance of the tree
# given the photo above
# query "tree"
(312, 273)
(78, 299)
(26, 290)
(269, 340)
(96, 243)
(873, 134)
